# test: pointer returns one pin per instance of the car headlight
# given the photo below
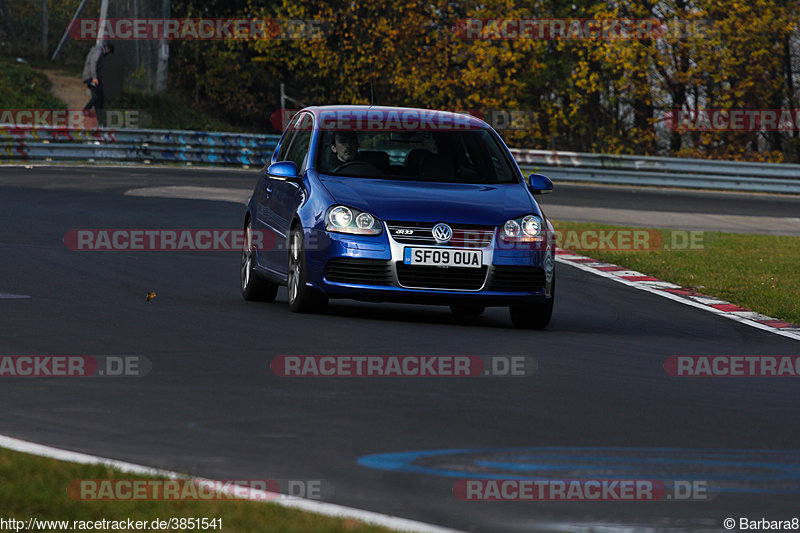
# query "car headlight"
(531, 226)
(511, 228)
(344, 219)
(524, 229)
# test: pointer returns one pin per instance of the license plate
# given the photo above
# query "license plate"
(443, 257)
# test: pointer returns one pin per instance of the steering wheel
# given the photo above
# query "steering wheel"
(366, 165)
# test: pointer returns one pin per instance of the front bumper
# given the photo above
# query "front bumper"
(371, 268)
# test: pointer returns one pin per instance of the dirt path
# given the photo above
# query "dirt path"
(68, 88)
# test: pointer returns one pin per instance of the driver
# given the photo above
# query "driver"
(345, 146)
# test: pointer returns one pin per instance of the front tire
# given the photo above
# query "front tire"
(534, 316)
(302, 299)
(254, 287)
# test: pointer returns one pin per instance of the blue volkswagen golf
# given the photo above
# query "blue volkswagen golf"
(389, 204)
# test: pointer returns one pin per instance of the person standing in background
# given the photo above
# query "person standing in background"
(93, 78)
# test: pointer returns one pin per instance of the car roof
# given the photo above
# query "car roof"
(436, 115)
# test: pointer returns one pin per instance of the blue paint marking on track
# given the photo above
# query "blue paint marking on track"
(732, 470)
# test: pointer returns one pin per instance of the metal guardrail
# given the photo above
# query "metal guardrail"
(661, 171)
(139, 146)
(190, 147)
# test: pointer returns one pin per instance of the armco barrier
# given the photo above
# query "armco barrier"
(136, 146)
(661, 171)
(193, 147)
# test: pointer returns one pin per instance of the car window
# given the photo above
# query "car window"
(471, 156)
(299, 147)
(287, 139)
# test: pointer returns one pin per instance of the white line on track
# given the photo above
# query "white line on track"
(322, 508)
(219, 194)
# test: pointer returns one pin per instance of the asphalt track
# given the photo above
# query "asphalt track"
(212, 407)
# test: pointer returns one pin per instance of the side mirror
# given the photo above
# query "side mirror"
(539, 184)
(283, 170)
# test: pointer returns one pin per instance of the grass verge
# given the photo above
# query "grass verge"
(37, 487)
(21, 87)
(172, 111)
(759, 272)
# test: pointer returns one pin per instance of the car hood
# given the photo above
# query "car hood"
(458, 203)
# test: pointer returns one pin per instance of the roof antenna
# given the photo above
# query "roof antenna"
(371, 88)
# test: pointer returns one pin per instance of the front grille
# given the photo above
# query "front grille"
(433, 277)
(509, 278)
(359, 271)
(464, 235)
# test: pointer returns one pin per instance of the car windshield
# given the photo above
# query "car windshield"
(472, 156)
